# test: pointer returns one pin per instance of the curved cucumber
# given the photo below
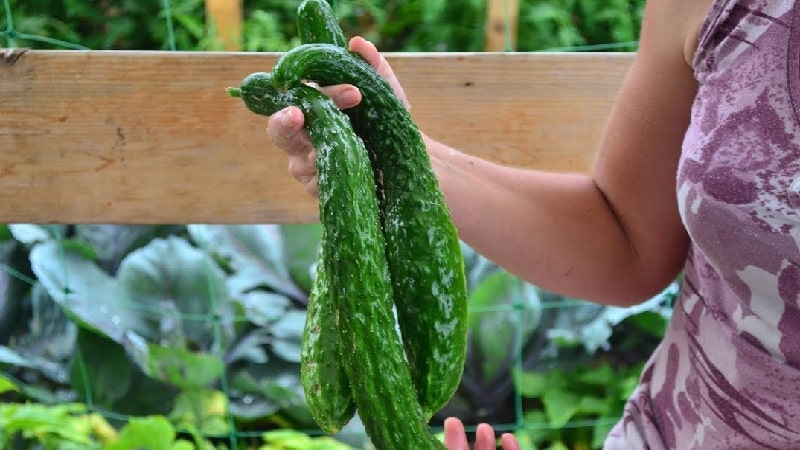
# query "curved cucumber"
(322, 375)
(422, 246)
(371, 351)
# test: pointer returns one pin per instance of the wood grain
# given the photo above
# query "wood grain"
(151, 137)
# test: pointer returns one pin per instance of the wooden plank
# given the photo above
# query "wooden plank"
(224, 17)
(151, 137)
(502, 23)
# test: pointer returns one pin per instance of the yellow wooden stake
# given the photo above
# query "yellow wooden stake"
(225, 16)
(501, 25)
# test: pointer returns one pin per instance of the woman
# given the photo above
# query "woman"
(698, 172)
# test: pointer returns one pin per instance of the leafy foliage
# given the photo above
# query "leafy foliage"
(144, 320)
(519, 331)
(201, 325)
(72, 426)
(268, 25)
(578, 408)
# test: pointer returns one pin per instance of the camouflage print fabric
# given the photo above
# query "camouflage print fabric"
(727, 374)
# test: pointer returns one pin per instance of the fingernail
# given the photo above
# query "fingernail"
(286, 118)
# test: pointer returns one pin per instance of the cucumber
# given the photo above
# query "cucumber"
(422, 246)
(322, 375)
(370, 349)
(316, 22)
(324, 380)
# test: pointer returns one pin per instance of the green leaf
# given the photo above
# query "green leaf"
(43, 341)
(287, 334)
(262, 389)
(263, 308)
(651, 322)
(596, 405)
(531, 384)
(255, 253)
(601, 375)
(82, 248)
(536, 429)
(504, 313)
(302, 244)
(65, 421)
(89, 295)
(30, 234)
(203, 411)
(5, 233)
(558, 445)
(112, 243)
(6, 385)
(151, 433)
(250, 347)
(560, 407)
(432, 10)
(296, 440)
(181, 367)
(182, 289)
(12, 358)
(15, 287)
(104, 373)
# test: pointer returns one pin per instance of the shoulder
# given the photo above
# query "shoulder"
(674, 25)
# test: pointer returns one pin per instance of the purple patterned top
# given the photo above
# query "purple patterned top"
(727, 374)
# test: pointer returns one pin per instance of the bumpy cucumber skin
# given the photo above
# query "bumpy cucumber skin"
(371, 350)
(423, 251)
(322, 374)
(317, 22)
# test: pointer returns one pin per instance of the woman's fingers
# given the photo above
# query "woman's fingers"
(509, 442)
(455, 438)
(484, 437)
(371, 55)
(343, 95)
(285, 130)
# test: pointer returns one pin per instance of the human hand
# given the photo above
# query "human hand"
(285, 128)
(455, 438)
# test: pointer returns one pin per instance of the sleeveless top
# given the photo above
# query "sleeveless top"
(727, 373)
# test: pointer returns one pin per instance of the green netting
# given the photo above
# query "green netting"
(561, 367)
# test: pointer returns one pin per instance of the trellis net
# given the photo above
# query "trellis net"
(200, 324)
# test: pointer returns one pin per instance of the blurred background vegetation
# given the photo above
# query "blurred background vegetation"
(394, 25)
(193, 330)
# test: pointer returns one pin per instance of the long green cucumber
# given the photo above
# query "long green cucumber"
(371, 350)
(322, 374)
(422, 246)
(317, 22)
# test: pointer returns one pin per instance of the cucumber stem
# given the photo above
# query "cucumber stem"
(234, 92)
